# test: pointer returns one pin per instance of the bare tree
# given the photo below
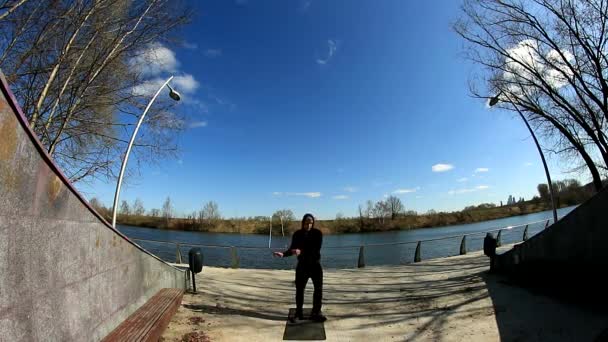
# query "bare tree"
(155, 212)
(125, 209)
(382, 211)
(210, 213)
(167, 210)
(95, 203)
(284, 215)
(369, 209)
(548, 59)
(395, 206)
(138, 207)
(71, 66)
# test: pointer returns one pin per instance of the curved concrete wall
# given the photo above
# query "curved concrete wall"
(65, 274)
(576, 242)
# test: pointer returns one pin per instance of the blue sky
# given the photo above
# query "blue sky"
(318, 106)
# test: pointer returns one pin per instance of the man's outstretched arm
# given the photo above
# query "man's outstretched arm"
(290, 251)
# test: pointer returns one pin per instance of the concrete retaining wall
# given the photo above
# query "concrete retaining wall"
(65, 274)
(575, 244)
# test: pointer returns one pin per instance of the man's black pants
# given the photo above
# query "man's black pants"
(315, 272)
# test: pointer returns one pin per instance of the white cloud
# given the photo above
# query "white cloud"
(155, 59)
(340, 197)
(304, 5)
(528, 164)
(467, 190)
(197, 124)
(481, 169)
(332, 47)
(305, 194)
(201, 106)
(308, 194)
(442, 167)
(184, 84)
(190, 46)
(350, 189)
(404, 191)
(529, 53)
(213, 53)
(463, 179)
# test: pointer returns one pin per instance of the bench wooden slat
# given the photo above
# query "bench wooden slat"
(149, 321)
(154, 317)
(143, 324)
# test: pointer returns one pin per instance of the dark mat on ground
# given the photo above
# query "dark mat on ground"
(304, 330)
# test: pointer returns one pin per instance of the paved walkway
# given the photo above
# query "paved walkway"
(451, 299)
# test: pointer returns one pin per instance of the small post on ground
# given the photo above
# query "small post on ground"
(525, 233)
(463, 245)
(178, 254)
(547, 224)
(361, 262)
(417, 255)
(234, 257)
(498, 238)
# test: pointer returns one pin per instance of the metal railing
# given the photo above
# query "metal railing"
(348, 256)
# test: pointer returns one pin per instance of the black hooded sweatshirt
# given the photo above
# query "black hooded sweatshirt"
(309, 243)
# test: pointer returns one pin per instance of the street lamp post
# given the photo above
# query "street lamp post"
(493, 101)
(175, 96)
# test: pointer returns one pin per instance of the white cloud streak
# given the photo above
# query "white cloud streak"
(340, 197)
(481, 169)
(350, 189)
(404, 191)
(463, 179)
(304, 5)
(213, 53)
(303, 194)
(467, 190)
(198, 124)
(332, 47)
(442, 167)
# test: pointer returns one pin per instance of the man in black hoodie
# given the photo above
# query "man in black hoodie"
(306, 244)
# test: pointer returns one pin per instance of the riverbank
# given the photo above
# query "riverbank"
(450, 299)
(339, 226)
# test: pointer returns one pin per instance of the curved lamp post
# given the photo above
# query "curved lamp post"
(493, 101)
(175, 96)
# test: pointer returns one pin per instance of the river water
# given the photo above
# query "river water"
(339, 251)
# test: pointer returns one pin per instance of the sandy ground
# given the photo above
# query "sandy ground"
(451, 299)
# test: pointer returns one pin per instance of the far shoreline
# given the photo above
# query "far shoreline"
(235, 226)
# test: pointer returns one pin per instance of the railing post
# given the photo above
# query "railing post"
(235, 258)
(463, 245)
(547, 224)
(178, 254)
(525, 233)
(361, 262)
(498, 237)
(417, 254)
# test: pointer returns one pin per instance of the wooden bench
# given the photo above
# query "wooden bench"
(150, 320)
